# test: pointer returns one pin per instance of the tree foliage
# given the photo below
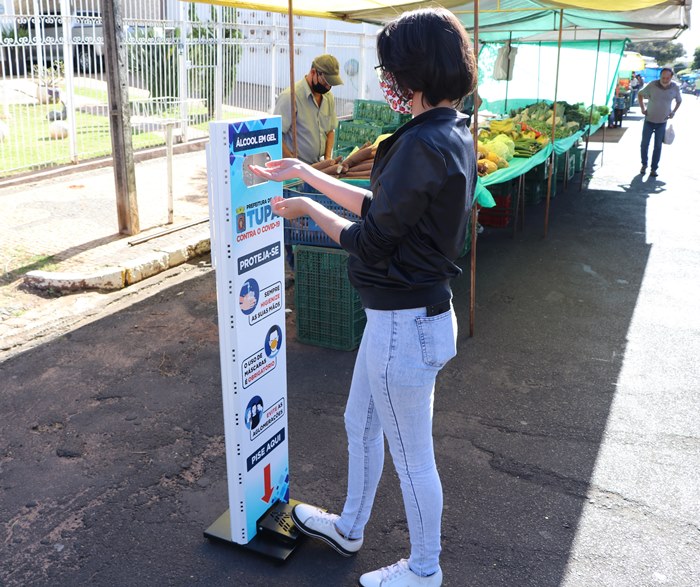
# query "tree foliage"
(696, 59)
(665, 52)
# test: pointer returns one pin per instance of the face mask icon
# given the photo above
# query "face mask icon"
(274, 341)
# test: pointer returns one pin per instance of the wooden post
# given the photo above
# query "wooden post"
(119, 117)
(554, 128)
(475, 206)
(292, 81)
(590, 114)
(607, 86)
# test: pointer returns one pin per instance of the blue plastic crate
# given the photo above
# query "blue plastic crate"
(304, 231)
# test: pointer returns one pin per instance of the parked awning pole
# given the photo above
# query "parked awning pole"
(292, 80)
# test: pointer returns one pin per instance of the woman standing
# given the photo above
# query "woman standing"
(402, 257)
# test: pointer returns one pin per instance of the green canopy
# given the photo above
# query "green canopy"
(501, 19)
(528, 20)
(534, 74)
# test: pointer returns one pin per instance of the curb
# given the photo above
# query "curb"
(115, 278)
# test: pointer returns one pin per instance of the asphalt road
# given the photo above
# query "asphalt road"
(566, 429)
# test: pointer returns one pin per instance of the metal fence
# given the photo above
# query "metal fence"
(187, 62)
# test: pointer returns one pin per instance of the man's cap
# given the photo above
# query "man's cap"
(329, 67)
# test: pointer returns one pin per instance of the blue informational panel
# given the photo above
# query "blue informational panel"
(248, 255)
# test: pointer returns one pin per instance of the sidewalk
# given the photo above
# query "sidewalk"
(67, 227)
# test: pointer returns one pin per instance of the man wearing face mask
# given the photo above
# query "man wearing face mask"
(660, 95)
(316, 119)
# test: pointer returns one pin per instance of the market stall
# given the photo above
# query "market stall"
(523, 21)
(250, 270)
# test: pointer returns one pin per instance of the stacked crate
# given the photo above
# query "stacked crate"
(370, 119)
(577, 153)
(501, 214)
(565, 166)
(328, 309)
(536, 182)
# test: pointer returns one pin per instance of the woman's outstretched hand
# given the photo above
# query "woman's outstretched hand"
(280, 169)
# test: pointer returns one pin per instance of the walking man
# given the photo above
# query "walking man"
(660, 95)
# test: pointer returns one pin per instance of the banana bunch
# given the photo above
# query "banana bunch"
(504, 126)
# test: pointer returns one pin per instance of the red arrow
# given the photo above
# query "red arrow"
(268, 485)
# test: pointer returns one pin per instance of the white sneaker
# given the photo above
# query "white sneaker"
(316, 523)
(399, 575)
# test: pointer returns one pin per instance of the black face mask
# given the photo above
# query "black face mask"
(320, 88)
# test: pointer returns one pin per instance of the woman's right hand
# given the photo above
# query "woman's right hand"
(280, 169)
(289, 208)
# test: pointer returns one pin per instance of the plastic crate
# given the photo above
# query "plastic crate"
(357, 132)
(343, 151)
(328, 309)
(378, 111)
(562, 170)
(304, 231)
(499, 216)
(534, 192)
(577, 154)
(539, 172)
(505, 188)
(468, 240)
(536, 183)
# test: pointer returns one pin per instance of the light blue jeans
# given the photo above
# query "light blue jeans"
(392, 394)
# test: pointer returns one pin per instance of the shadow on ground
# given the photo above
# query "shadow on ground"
(113, 456)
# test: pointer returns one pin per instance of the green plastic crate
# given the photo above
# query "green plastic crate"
(356, 132)
(343, 151)
(562, 170)
(536, 183)
(328, 309)
(468, 240)
(379, 112)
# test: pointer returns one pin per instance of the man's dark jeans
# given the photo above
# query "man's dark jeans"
(658, 129)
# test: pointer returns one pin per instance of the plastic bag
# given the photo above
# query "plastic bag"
(505, 62)
(669, 135)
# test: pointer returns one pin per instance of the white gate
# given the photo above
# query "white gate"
(186, 61)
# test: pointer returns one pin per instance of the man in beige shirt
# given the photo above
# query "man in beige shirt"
(316, 118)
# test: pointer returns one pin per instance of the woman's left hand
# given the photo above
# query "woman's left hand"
(280, 169)
(289, 207)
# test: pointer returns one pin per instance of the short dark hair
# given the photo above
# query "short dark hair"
(666, 69)
(428, 50)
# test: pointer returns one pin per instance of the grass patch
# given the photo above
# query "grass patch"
(28, 263)
(31, 147)
(96, 94)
